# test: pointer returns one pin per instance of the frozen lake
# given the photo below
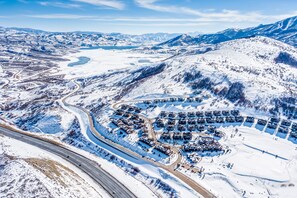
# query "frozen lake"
(84, 59)
(111, 47)
(81, 61)
(90, 62)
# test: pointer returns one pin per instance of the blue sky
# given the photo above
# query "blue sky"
(143, 16)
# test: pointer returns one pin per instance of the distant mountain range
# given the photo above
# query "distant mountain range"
(97, 37)
(285, 31)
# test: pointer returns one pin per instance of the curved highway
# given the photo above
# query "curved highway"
(90, 167)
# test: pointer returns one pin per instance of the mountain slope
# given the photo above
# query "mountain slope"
(285, 31)
(245, 71)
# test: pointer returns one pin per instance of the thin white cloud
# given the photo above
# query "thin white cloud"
(150, 4)
(255, 18)
(165, 24)
(142, 19)
(106, 3)
(213, 18)
(59, 4)
(23, 1)
(211, 15)
(60, 16)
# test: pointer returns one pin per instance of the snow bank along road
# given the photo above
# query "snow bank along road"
(109, 183)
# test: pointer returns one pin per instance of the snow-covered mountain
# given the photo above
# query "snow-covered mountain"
(254, 72)
(284, 31)
(181, 40)
(89, 39)
(150, 38)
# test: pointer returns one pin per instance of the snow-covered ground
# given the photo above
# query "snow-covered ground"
(254, 59)
(102, 61)
(250, 62)
(248, 171)
(258, 166)
(27, 171)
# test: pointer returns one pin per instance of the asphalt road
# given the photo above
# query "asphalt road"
(104, 179)
(193, 184)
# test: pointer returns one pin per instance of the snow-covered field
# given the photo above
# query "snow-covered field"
(102, 61)
(27, 171)
(259, 165)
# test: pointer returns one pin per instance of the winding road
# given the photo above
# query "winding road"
(190, 182)
(90, 167)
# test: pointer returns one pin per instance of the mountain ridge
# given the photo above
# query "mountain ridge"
(284, 30)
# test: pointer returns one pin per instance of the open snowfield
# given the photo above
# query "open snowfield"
(253, 173)
(250, 62)
(27, 171)
(102, 61)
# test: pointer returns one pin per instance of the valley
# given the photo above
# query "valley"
(175, 119)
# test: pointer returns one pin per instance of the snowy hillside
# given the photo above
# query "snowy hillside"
(284, 31)
(247, 71)
(27, 171)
